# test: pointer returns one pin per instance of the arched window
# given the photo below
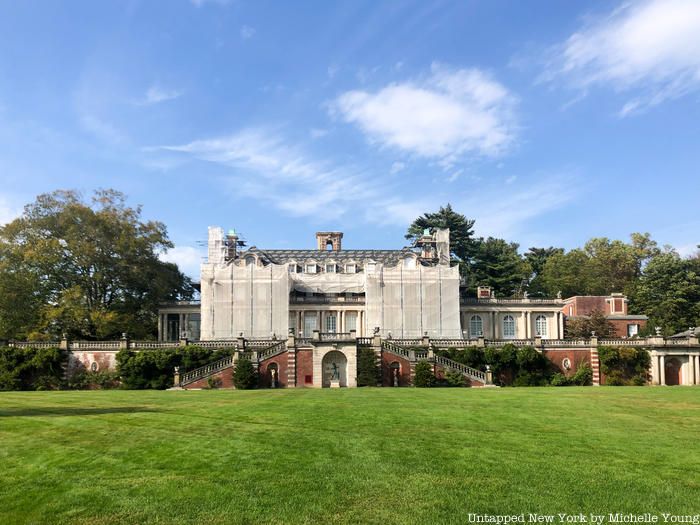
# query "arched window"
(476, 326)
(250, 260)
(508, 327)
(541, 326)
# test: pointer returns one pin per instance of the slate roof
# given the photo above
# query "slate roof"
(388, 257)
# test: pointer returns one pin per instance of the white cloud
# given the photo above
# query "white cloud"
(397, 167)
(247, 32)
(187, 258)
(268, 169)
(284, 175)
(102, 129)
(650, 49)
(450, 113)
(156, 94)
(317, 133)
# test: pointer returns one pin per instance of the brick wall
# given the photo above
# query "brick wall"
(404, 370)
(265, 377)
(305, 368)
(225, 378)
(577, 356)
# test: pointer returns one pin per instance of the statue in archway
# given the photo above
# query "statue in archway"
(335, 376)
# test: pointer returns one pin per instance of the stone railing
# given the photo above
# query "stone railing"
(34, 344)
(152, 345)
(206, 370)
(336, 336)
(514, 342)
(468, 371)
(398, 350)
(512, 300)
(624, 342)
(364, 341)
(276, 349)
(341, 299)
(96, 345)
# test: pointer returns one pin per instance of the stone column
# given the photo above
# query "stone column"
(697, 369)
(493, 325)
(654, 369)
(341, 321)
(691, 369)
(160, 327)
(319, 327)
(662, 369)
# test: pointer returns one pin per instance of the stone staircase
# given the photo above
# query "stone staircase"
(208, 370)
(418, 355)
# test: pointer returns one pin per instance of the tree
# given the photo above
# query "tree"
(424, 377)
(584, 327)
(245, 377)
(87, 270)
(498, 264)
(566, 273)
(669, 292)
(537, 258)
(462, 243)
(368, 373)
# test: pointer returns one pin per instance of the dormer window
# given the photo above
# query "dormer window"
(292, 267)
(370, 266)
(409, 262)
(350, 268)
(250, 261)
(330, 268)
(310, 268)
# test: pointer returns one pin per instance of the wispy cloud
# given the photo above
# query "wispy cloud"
(448, 114)
(271, 170)
(285, 175)
(247, 32)
(649, 49)
(187, 258)
(157, 94)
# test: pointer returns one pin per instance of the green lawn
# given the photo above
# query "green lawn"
(346, 456)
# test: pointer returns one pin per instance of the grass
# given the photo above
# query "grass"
(346, 456)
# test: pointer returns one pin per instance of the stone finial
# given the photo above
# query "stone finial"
(657, 329)
(559, 294)
(376, 330)
(592, 333)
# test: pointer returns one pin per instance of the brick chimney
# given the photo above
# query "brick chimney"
(326, 240)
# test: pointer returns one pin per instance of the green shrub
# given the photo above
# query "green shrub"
(424, 377)
(624, 365)
(213, 382)
(368, 373)
(582, 377)
(31, 368)
(455, 378)
(245, 376)
(155, 368)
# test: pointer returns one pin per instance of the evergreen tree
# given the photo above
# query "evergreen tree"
(424, 377)
(498, 264)
(245, 377)
(368, 373)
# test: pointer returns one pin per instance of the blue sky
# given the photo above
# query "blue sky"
(548, 122)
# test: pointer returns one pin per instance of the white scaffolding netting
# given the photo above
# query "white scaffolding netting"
(328, 283)
(249, 299)
(408, 302)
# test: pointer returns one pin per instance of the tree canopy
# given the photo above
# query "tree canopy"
(89, 270)
(658, 282)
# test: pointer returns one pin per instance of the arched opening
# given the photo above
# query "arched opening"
(673, 372)
(395, 374)
(273, 375)
(335, 368)
(329, 245)
(508, 327)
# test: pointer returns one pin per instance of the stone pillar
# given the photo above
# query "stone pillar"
(240, 341)
(160, 327)
(524, 318)
(691, 369)
(124, 342)
(654, 368)
(481, 342)
(316, 335)
(425, 340)
(662, 369)
(493, 325)
(319, 316)
(291, 366)
(64, 344)
(489, 375)
(697, 369)
(176, 377)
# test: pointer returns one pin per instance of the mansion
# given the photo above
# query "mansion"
(407, 293)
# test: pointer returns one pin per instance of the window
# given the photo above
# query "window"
(350, 321)
(293, 321)
(370, 266)
(330, 323)
(292, 268)
(330, 268)
(250, 261)
(541, 326)
(310, 324)
(632, 330)
(350, 268)
(508, 327)
(310, 268)
(476, 326)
